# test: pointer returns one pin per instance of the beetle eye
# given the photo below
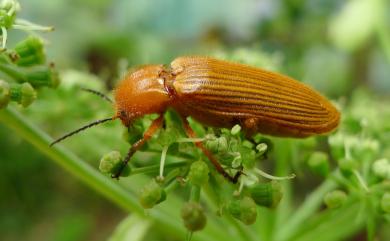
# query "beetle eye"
(122, 113)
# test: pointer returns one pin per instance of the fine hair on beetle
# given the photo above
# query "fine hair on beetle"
(219, 94)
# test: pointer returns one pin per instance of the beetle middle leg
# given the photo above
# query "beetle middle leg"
(190, 132)
(155, 126)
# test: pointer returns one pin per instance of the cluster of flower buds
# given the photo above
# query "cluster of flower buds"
(362, 161)
(230, 148)
(25, 65)
(233, 150)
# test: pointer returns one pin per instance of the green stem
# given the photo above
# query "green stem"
(383, 31)
(243, 232)
(305, 211)
(110, 189)
(156, 168)
(337, 224)
(284, 157)
(12, 71)
(195, 193)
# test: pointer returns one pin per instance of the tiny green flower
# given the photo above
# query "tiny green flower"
(23, 94)
(151, 194)
(261, 148)
(235, 130)
(111, 162)
(243, 209)
(368, 149)
(347, 166)
(8, 11)
(30, 52)
(248, 157)
(193, 216)
(222, 144)
(4, 93)
(42, 76)
(381, 168)
(336, 143)
(247, 144)
(216, 145)
(385, 202)
(233, 145)
(212, 145)
(335, 199)
(266, 194)
(199, 173)
(318, 163)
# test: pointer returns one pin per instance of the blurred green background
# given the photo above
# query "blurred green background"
(338, 47)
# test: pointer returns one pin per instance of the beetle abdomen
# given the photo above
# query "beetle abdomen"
(221, 93)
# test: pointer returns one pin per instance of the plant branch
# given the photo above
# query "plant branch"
(92, 178)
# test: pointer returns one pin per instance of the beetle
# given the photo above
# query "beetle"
(220, 94)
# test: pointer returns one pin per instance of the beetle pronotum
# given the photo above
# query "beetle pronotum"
(220, 94)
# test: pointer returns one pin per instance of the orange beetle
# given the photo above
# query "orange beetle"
(220, 94)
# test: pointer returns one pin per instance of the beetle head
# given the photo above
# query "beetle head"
(142, 92)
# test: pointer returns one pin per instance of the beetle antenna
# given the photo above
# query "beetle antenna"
(98, 93)
(82, 128)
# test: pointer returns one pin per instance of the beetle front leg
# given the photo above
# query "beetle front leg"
(190, 132)
(155, 126)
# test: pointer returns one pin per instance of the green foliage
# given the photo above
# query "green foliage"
(24, 65)
(290, 37)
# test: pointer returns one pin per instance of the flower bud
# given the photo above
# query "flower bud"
(199, 173)
(248, 157)
(318, 163)
(212, 145)
(385, 202)
(347, 166)
(261, 148)
(6, 20)
(151, 194)
(266, 194)
(247, 144)
(23, 94)
(237, 161)
(235, 130)
(366, 149)
(336, 143)
(7, 5)
(233, 145)
(4, 93)
(244, 210)
(381, 168)
(30, 52)
(42, 76)
(335, 199)
(222, 144)
(193, 216)
(111, 164)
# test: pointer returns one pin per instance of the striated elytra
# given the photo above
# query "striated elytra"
(222, 94)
